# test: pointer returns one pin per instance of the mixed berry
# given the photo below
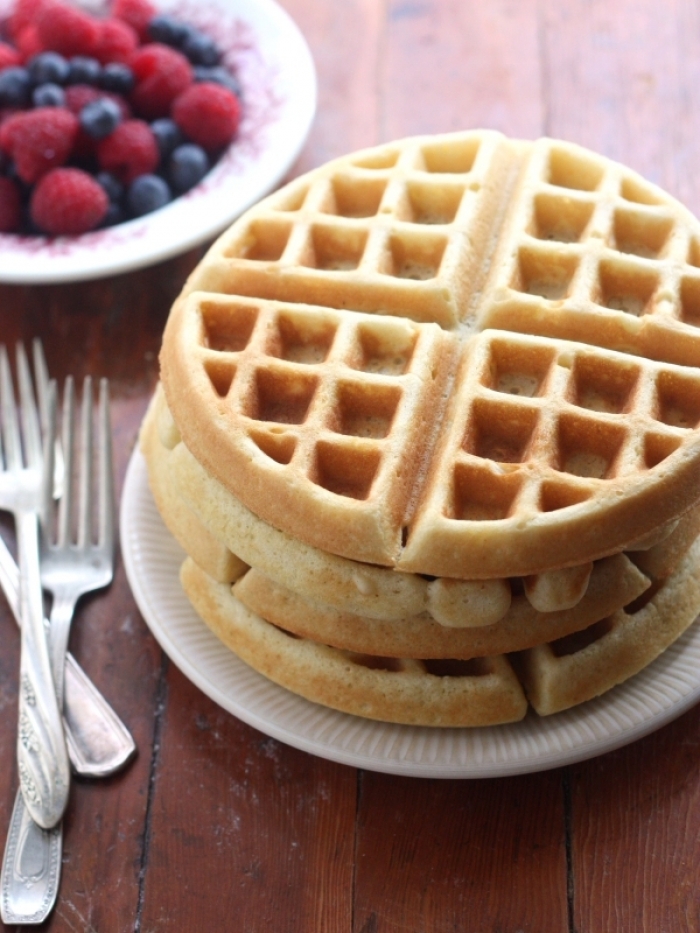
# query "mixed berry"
(103, 120)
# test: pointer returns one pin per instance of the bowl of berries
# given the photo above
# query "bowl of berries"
(133, 130)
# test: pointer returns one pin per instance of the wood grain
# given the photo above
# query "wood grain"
(243, 827)
(217, 827)
(460, 855)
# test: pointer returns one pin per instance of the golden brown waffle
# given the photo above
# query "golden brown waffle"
(614, 583)
(662, 559)
(458, 693)
(577, 668)
(460, 356)
(483, 691)
(185, 494)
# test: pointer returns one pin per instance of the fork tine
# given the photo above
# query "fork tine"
(10, 424)
(43, 381)
(49, 448)
(31, 429)
(85, 474)
(41, 375)
(106, 471)
(65, 506)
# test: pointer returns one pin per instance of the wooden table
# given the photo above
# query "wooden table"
(216, 827)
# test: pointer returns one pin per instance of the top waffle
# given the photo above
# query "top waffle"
(461, 356)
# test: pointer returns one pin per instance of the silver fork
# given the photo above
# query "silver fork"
(70, 568)
(98, 741)
(42, 757)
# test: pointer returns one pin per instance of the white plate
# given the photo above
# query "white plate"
(274, 66)
(653, 698)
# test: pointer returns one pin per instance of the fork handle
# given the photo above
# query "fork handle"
(99, 744)
(42, 756)
(31, 869)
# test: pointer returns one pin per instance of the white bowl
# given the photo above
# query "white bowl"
(274, 66)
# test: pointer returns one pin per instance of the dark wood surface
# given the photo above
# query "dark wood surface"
(216, 827)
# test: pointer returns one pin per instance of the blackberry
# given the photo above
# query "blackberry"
(187, 166)
(147, 193)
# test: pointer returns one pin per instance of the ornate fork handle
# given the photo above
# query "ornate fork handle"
(42, 757)
(98, 741)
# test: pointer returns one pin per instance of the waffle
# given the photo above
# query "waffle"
(577, 668)
(183, 492)
(614, 583)
(661, 559)
(461, 356)
(474, 693)
(479, 692)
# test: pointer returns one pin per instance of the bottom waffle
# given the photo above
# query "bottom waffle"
(480, 692)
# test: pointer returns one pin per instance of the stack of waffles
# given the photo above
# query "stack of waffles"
(428, 430)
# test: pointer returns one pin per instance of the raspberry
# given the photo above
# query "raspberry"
(28, 42)
(208, 114)
(129, 151)
(161, 75)
(67, 30)
(23, 15)
(116, 41)
(39, 140)
(77, 95)
(137, 13)
(68, 201)
(9, 57)
(10, 206)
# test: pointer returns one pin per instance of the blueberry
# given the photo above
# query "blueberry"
(100, 117)
(15, 87)
(168, 136)
(218, 75)
(49, 95)
(117, 77)
(201, 49)
(49, 67)
(147, 193)
(113, 187)
(168, 30)
(115, 215)
(187, 165)
(84, 70)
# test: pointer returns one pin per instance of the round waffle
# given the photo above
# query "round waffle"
(614, 583)
(185, 494)
(479, 692)
(462, 355)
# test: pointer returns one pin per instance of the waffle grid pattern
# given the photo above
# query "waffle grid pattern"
(337, 396)
(583, 416)
(493, 241)
(396, 232)
(602, 251)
